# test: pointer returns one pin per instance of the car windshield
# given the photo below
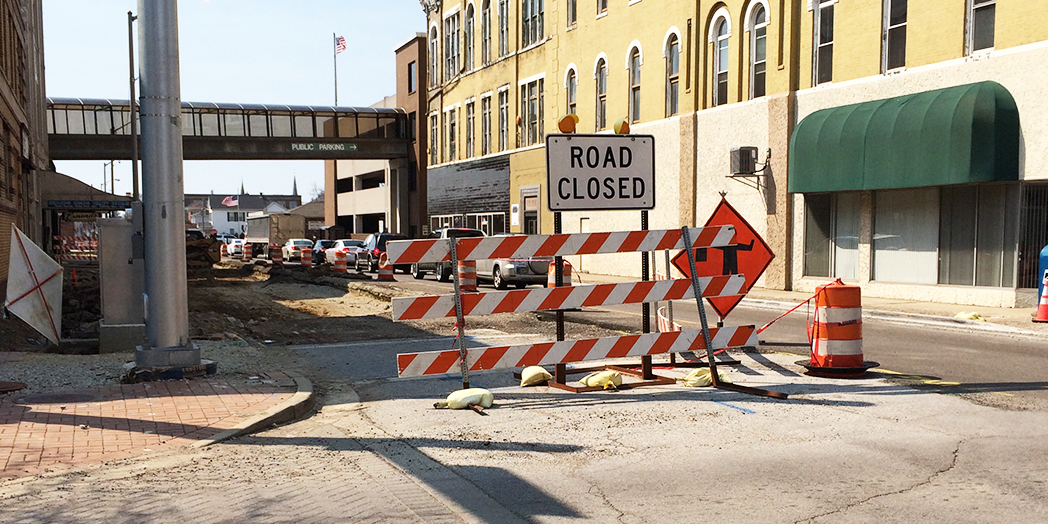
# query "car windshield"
(464, 233)
(303, 243)
(382, 241)
(354, 243)
(326, 243)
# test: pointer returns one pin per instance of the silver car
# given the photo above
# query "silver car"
(348, 246)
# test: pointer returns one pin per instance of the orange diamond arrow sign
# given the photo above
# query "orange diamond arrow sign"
(750, 256)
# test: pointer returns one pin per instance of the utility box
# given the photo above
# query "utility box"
(122, 278)
(743, 160)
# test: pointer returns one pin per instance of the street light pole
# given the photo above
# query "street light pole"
(134, 114)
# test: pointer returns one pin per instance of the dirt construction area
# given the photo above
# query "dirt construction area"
(293, 306)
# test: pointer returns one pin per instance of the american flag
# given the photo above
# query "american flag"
(340, 45)
(231, 201)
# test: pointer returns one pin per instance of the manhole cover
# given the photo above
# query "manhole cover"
(59, 398)
(7, 387)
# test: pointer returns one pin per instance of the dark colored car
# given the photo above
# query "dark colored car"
(443, 270)
(321, 247)
(374, 246)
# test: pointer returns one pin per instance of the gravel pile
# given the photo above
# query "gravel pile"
(50, 372)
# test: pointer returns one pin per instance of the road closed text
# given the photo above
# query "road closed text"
(600, 172)
(595, 188)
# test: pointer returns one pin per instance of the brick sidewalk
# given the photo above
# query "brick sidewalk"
(65, 429)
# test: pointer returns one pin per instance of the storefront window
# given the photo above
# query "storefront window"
(831, 235)
(906, 236)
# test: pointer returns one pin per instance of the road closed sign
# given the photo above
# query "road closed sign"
(591, 172)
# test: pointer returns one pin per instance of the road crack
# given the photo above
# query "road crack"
(931, 478)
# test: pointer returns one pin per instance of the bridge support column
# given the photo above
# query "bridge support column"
(167, 341)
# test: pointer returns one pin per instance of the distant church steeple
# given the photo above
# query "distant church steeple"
(294, 186)
(242, 188)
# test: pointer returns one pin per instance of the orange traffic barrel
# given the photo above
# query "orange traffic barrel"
(836, 333)
(247, 251)
(277, 256)
(340, 262)
(1042, 305)
(223, 252)
(551, 276)
(385, 269)
(467, 276)
(307, 257)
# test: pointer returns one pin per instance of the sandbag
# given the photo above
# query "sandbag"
(702, 377)
(465, 398)
(607, 379)
(532, 375)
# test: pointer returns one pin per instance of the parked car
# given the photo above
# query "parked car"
(502, 272)
(374, 246)
(320, 247)
(292, 249)
(443, 270)
(235, 247)
(348, 246)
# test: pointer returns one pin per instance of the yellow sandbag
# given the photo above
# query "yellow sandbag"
(465, 398)
(532, 375)
(702, 377)
(965, 315)
(606, 379)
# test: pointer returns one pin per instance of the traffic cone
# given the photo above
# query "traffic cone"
(385, 269)
(1042, 306)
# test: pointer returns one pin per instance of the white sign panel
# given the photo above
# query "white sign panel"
(592, 172)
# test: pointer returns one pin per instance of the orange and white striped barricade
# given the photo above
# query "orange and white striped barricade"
(222, 251)
(247, 251)
(551, 275)
(549, 299)
(467, 276)
(276, 256)
(836, 333)
(307, 257)
(560, 353)
(1042, 304)
(340, 262)
(664, 324)
(568, 351)
(385, 269)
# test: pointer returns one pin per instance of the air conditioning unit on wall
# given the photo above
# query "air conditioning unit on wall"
(743, 160)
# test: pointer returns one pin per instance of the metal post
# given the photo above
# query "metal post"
(134, 113)
(645, 308)
(460, 318)
(560, 371)
(702, 308)
(669, 303)
(167, 341)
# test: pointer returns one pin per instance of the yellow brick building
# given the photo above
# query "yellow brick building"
(706, 77)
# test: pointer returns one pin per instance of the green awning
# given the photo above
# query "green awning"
(957, 135)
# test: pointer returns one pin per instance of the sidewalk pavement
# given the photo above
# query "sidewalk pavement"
(48, 432)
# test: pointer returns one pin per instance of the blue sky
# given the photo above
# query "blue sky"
(245, 51)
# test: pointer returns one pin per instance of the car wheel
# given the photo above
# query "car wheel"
(496, 277)
(443, 274)
(415, 273)
(520, 285)
(372, 264)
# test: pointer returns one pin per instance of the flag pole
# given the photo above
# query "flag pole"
(334, 59)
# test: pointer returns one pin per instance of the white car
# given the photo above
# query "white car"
(292, 249)
(348, 246)
(235, 247)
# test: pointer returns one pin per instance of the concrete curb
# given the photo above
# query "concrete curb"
(908, 318)
(294, 408)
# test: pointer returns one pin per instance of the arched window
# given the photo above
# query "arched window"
(672, 76)
(503, 27)
(485, 32)
(602, 94)
(758, 51)
(720, 61)
(468, 30)
(433, 75)
(571, 84)
(634, 109)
